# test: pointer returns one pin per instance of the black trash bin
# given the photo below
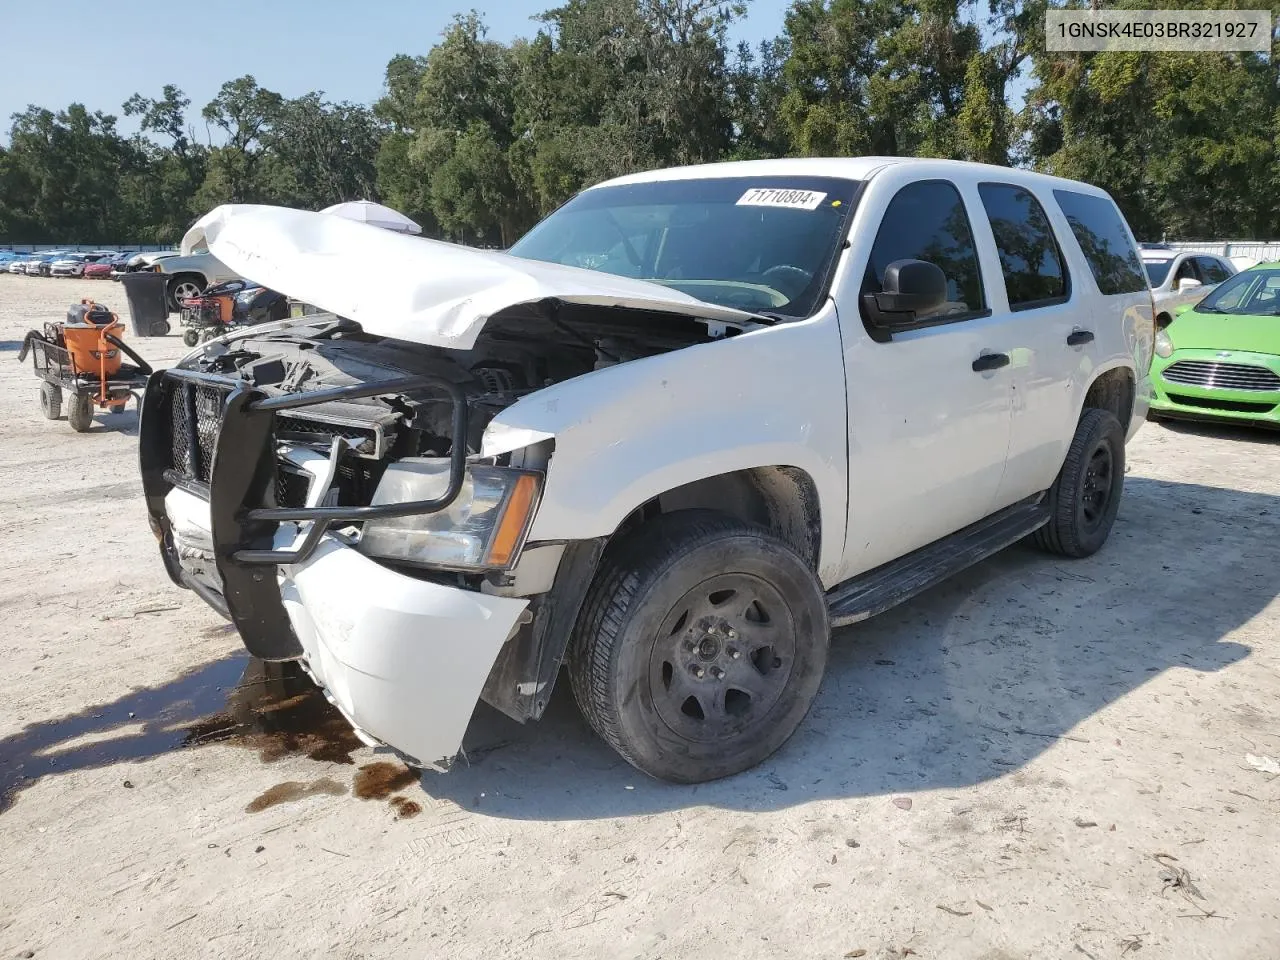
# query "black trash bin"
(148, 303)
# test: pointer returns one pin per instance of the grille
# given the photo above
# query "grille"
(1221, 376)
(1212, 403)
(197, 413)
(290, 427)
(291, 488)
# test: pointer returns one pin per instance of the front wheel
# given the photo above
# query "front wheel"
(183, 288)
(700, 647)
(1084, 499)
(80, 413)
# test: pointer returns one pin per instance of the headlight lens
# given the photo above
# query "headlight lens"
(483, 529)
(1164, 346)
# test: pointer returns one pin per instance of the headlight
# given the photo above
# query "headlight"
(483, 529)
(1164, 346)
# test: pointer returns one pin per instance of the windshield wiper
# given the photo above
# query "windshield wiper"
(1200, 309)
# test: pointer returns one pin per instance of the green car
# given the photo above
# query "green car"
(1220, 359)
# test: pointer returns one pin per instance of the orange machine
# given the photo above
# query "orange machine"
(84, 357)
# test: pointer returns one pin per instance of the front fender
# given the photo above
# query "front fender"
(623, 435)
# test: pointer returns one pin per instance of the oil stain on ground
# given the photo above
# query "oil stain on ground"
(268, 707)
(292, 790)
(379, 780)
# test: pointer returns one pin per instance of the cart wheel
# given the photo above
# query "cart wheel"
(50, 401)
(191, 337)
(80, 413)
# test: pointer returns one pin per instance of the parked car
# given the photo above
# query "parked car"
(191, 274)
(1178, 279)
(1219, 359)
(99, 270)
(780, 399)
(38, 264)
(70, 265)
(17, 265)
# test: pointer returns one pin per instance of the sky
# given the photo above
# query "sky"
(75, 51)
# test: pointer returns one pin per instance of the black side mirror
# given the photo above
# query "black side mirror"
(911, 287)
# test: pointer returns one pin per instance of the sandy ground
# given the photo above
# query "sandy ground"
(1038, 759)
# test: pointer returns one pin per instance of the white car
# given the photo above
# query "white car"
(788, 395)
(1179, 278)
(16, 266)
(71, 265)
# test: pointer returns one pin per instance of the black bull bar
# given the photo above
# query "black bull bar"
(229, 459)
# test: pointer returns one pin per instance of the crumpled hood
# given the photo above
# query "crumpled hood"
(408, 288)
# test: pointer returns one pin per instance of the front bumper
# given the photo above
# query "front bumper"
(1195, 402)
(404, 659)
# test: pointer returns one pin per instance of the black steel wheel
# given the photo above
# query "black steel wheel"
(1083, 501)
(50, 401)
(700, 647)
(190, 337)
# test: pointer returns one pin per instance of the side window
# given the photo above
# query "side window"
(1186, 271)
(1100, 231)
(1212, 270)
(1034, 274)
(927, 221)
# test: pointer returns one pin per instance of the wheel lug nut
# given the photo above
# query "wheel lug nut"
(734, 653)
(698, 672)
(731, 633)
(717, 673)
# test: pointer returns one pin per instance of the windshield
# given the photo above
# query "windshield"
(1254, 292)
(1157, 270)
(763, 244)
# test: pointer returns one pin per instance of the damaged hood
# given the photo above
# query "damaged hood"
(407, 288)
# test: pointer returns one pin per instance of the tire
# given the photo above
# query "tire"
(1084, 499)
(700, 646)
(191, 337)
(182, 286)
(80, 412)
(164, 330)
(50, 401)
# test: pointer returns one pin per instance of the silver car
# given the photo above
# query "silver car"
(1179, 277)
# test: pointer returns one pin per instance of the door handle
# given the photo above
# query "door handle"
(990, 361)
(1078, 338)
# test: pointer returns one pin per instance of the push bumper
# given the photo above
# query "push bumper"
(404, 659)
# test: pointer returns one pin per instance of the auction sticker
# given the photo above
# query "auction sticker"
(774, 197)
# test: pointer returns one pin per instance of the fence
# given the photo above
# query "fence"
(1258, 250)
(85, 247)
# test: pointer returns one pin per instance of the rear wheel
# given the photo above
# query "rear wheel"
(80, 413)
(50, 401)
(183, 288)
(1084, 499)
(700, 647)
(191, 337)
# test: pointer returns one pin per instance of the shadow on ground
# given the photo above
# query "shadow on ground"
(965, 683)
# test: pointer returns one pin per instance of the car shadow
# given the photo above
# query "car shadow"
(965, 683)
(1224, 429)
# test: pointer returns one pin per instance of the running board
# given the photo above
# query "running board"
(886, 586)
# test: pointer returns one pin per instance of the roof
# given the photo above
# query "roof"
(848, 168)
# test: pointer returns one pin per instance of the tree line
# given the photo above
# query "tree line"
(477, 139)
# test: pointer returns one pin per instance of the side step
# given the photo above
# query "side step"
(886, 586)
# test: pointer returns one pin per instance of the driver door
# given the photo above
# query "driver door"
(928, 431)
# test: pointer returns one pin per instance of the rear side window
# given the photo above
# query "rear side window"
(1212, 270)
(927, 221)
(1034, 274)
(1105, 242)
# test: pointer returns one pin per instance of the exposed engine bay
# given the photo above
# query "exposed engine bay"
(520, 351)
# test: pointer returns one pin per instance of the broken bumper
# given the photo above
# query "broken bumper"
(404, 659)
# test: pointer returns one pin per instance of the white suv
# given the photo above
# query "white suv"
(785, 396)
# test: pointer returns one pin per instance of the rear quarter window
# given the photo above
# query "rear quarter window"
(1104, 241)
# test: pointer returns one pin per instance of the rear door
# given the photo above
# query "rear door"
(1044, 315)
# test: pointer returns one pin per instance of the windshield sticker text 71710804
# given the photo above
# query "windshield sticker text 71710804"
(776, 197)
